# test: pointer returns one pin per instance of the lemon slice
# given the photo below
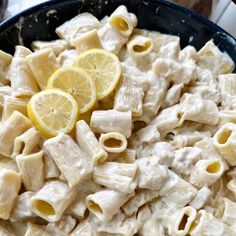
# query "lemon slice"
(76, 82)
(103, 66)
(53, 111)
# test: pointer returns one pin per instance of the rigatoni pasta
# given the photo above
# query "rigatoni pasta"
(51, 201)
(10, 183)
(69, 158)
(89, 144)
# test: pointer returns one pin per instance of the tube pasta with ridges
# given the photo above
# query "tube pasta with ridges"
(89, 144)
(87, 41)
(69, 158)
(200, 110)
(118, 176)
(123, 21)
(206, 172)
(184, 220)
(77, 26)
(10, 183)
(5, 63)
(106, 203)
(22, 210)
(43, 64)
(52, 199)
(229, 212)
(14, 126)
(111, 121)
(127, 156)
(223, 140)
(202, 197)
(58, 46)
(177, 191)
(113, 142)
(22, 78)
(27, 143)
(139, 46)
(21, 51)
(140, 198)
(207, 224)
(12, 104)
(31, 170)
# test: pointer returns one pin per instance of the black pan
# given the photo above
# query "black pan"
(39, 22)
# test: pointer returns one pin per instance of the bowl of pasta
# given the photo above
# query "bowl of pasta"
(117, 118)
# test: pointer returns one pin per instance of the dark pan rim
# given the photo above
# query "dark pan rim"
(199, 18)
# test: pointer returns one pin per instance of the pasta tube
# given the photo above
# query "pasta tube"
(14, 126)
(51, 201)
(199, 110)
(69, 158)
(21, 208)
(210, 57)
(130, 94)
(78, 25)
(12, 104)
(89, 144)
(50, 168)
(21, 51)
(177, 191)
(227, 116)
(127, 156)
(106, 203)
(154, 96)
(111, 121)
(206, 224)
(202, 197)
(139, 46)
(164, 211)
(58, 46)
(229, 212)
(4, 90)
(10, 183)
(168, 119)
(86, 41)
(43, 64)
(111, 39)
(78, 207)
(5, 232)
(22, 78)
(174, 71)
(206, 172)
(223, 140)
(27, 143)
(140, 198)
(5, 59)
(184, 220)
(231, 185)
(113, 142)
(7, 163)
(188, 53)
(31, 170)
(123, 21)
(117, 176)
(172, 95)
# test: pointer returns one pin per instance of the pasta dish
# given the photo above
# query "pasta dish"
(116, 130)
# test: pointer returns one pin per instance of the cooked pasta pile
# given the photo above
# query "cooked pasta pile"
(152, 152)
